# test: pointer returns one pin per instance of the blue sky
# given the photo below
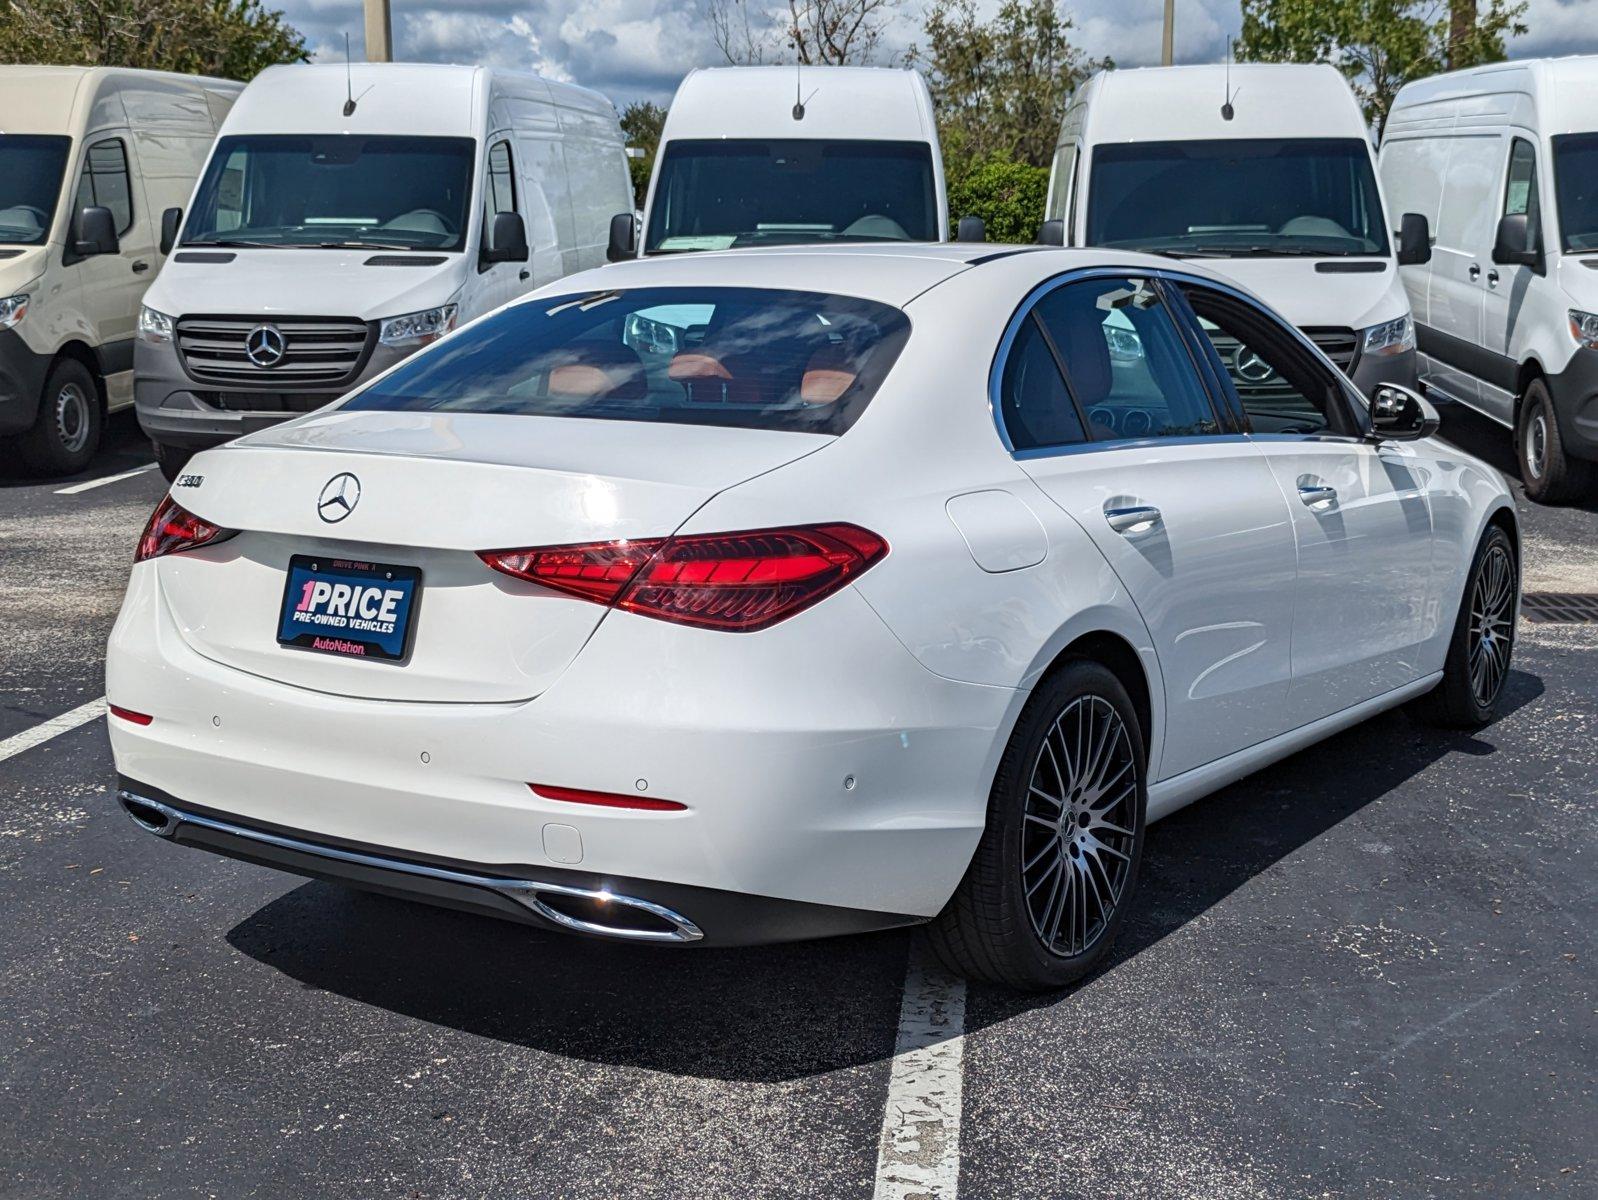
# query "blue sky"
(639, 49)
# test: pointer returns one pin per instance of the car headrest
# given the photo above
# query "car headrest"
(827, 377)
(609, 370)
(1086, 350)
(696, 365)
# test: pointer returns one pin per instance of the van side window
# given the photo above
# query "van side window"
(500, 194)
(1125, 361)
(1064, 175)
(106, 184)
(1520, 188)
(1281, 386)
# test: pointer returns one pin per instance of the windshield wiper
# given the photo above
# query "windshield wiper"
(361, 246)
(233, 243)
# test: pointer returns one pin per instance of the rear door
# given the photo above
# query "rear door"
(1360, 511)
(1106, 409)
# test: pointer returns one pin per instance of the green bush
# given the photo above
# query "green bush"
(1008, 196)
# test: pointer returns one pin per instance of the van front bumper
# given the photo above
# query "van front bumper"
(1575, 395)
(1372, 370)
(22, 375)
(176, 410)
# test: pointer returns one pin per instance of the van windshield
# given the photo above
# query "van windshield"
(712, 195)
(1232, 198)
(742, 357)
(334, 192)
(30, 182)
(1576, 186)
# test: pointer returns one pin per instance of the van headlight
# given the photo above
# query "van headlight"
(418, 328)
(1583, 327)
(1390, 337)
(154, 327)
(12, 310)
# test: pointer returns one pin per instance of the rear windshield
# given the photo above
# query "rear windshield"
(742, 357)
(715, 195)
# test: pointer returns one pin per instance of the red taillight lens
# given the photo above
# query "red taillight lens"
(605, 799)
(729, 581)
(173, 528)
(127, 714)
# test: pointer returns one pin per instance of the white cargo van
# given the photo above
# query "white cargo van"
(1267, 173)
(88, 159)
(349, 216)
(761, 156)
(1503, 160)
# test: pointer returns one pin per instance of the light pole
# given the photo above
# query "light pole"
(380, 32)
(1168, 46)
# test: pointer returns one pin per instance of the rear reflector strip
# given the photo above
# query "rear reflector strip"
(605, 799)
(127, 714)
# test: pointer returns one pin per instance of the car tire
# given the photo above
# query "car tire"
(171, 460)
(1551, 476)
(1482, 644)
(66, 432)
(1004, 923)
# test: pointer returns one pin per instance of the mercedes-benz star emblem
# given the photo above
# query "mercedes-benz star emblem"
(1251, 366)
(339, 497)
(264, 346)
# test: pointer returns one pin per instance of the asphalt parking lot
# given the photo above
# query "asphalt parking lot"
(1371, 970)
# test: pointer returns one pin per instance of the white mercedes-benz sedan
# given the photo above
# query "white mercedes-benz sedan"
(754, 596)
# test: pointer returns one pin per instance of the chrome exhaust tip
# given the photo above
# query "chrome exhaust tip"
(149, 815)
(602, 913)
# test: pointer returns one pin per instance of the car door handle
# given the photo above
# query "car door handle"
(1474, 272)
(524, 276)
(140, 267)
(1133, 521)
(1492, 278)
(1318, 496)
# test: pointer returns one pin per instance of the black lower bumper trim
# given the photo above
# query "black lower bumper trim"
(646, 911)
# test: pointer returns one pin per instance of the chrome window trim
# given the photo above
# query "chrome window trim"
(1222, 406)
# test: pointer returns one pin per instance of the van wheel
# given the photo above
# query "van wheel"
(1056, 869)
(171, 459)
(1477, 666)
(66, 433)
(1551, 476)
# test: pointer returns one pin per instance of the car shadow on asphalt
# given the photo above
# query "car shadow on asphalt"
(788, 1012)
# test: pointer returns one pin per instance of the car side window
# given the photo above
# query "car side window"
(105, 182)
(1033, 401)
(1520, 187)
(1280, 386)
(501, 191)
(1125, 361)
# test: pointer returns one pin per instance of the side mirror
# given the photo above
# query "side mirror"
(1051, 233)
(171, 221)
(1400, 415)
(1414, 240)
(623, 238)
(507, 240)
(971, 229)
(1515, 243)
(96, 233)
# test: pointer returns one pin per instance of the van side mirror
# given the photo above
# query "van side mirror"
(971, 229)
(1051, 233)
(1414, 240)
(96, 233)
(171, 221)
(1514, 245)
(623, 238)
(1400, 415)
(507, 239)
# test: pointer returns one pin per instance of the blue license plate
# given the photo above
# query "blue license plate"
(355, 609)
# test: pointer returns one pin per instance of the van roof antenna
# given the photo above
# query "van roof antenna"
(1227, 111)
(798, 90)
(349, 79)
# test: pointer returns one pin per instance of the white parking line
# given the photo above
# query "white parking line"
(919, 1154)
(90, 484)
(55, 726)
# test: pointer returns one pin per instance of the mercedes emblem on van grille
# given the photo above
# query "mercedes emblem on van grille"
(1251, 366)
(264, 346)
(339, 497)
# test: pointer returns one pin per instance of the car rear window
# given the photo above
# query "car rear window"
(742, 357)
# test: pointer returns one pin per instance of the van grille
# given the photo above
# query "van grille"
(1339, 345)
(316, 351)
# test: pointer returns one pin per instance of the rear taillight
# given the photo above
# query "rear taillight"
(729, 581)
(173, 528)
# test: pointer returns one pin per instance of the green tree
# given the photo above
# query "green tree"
(234, 39)
(1000, 85)
(642, 121)
(1007, 195)
(1380, 45)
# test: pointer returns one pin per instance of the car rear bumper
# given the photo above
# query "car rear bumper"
(822, 768)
